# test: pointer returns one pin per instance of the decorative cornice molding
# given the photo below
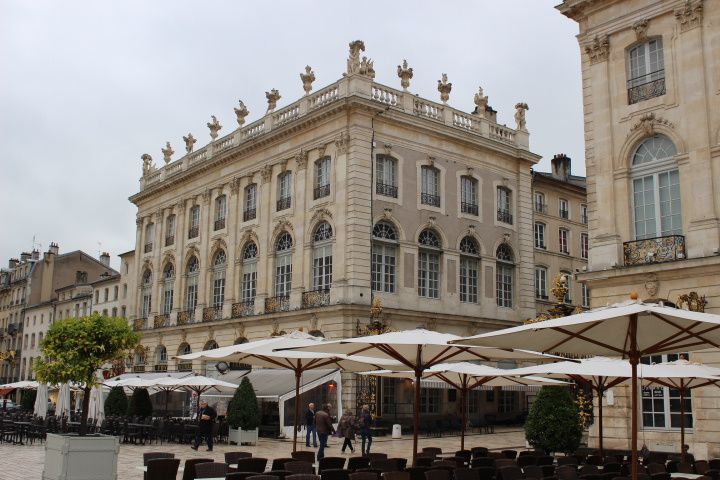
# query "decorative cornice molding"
(301, 159)
(321, 213)
(648, 122)
(342, 143)
(266, 173)
(640, 28)
(690, 15)
(598, 50)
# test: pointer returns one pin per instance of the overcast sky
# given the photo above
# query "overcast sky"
(86, 87)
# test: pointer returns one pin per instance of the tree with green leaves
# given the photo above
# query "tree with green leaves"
(243, 411)
(116, 402)
(74, 349)
(554, 423)
(140, 403)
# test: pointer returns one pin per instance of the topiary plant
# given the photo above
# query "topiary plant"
(140, 403)
(553, 423)
(116, 402)
(27, 402)
(243, 411)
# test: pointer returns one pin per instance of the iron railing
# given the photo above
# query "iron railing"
(162, 367)
(284, 203)
(185, 317)
(540, 207)
(387, 190)
(138, 368)
(169, 240)
(584, 219)
(564, 213)
(470, 208)
(219, 224)
(504, 216)
(193, 232)
(139, 324)
(429, 199)
(321, 191)
(654, 250)
(184, 366)
(211, 314)
(161, 321)
(646, 87)
(243, 309)
(316, 298)
(278, 303)
(249, 214)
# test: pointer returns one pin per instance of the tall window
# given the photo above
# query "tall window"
(568, 280)
(585, 295)
(249, 272)
(218, 276)
(146, 294)
(504, 205)
(468, 195)
(322, 178)
(430, 193)
(170, 230)
(384, 257)
(430, 400)
(469, 268)
(646, 71)
(429, 264)
(322, 257)
(284, 191)
(194, 229)
(563, 236)
(168, 288)
(149, 236)
(540, 235)
(192, 272)
(661, 405)
(539, 202)
(250, 211)
(386, 176)
(220, 212)
(584, 214)
(541, 283)
(563, 208)
(504, 273)
(283, 265)
(160, 358)
(584, 244)
(656, 189)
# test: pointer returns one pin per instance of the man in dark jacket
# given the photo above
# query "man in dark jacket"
(324, 427)
(206, 419)
(310, 425)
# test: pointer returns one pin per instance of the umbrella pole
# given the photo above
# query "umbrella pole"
(634, 358)
(600, 420)
(416, 414)
(297, 409)
(463, 399)
(682, 421)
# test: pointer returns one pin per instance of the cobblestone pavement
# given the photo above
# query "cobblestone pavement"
(20, 462)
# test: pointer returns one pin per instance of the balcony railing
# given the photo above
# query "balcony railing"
(541, 296)
(321, 191)
(148, 247)
(243, 309)
(316, 298)
(646, 87)
(161, 321)
(249, 214)
(429, 199)
(184, 366)
(162, 367)
(219, 224)
(505, 216)
(284, 203)
(185, 317)
(279, 303)
(469, 208)
(139, 324)
(541, 207)
(193, 232)
(210, 314)
(564, 213)
(387, 190)
(169, 240)
(584, 219)
(138, 368)
(654, 250)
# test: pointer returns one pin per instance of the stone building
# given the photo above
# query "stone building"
(560, 233)
(651, 94)
(354, 192)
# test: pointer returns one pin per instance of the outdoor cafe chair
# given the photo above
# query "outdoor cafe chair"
(396, 476)
(240, 475)
(211, 470)
(466, 474)
(303, 476)
(300, 467)
(263, 477)
(438, 474)
(335, 474)
(190, 464)
(279, 463)
(358, 462)
(364, 476)
(337, 463)
(162, 468)
(304, 456)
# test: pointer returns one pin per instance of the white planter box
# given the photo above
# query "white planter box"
(241, 437)
(71, 457)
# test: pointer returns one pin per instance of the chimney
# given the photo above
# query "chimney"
(36, 255)
(54, 249)
(24, 257)
(561, 166)
(105, 259)
(13, 262)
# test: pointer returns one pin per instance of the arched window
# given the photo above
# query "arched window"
(429, 264)
(384, 257)
(249, 272)
(211, 345)
(191, 292)
(139, 360)
(283, 265)
(218, 275)
(504, 274)
(146, 304)
(469, 270)
(184, 365)
(322, 257)
(160, 359)
(168, 288)
(656, 189)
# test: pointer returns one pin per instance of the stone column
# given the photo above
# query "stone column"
(204, 247)
(132, 313)
(302, 195)
(157, 267)
(233, 220)
(525, 263)
(180, 210)
(266, 206)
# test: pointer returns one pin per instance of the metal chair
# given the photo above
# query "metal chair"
(162, 468)
(211, 470)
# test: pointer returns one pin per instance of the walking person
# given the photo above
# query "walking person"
(366, 422)
(324, 427)
(206, 419)
(347, 428)
(310, 425)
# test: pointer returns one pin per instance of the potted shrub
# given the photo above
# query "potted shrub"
(116, 402)
(243, 414)
(553, 423)
(73, 351)
(140, 404)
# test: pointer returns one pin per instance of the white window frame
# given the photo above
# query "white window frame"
(168, 290)
(584, 245)
(540, 234)
(469, 278)
(430, 183)
(469, 192)
(220, 207)
(564, 209)
(249, 276)
(666, 397)
(585, 291)
(218, 279)
(322, 259)
(386, 173)
(539, 202)
(646, 62)
(564, 240)
(541, 283)
(191, 289)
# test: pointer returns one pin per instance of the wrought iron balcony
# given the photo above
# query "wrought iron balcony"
(184, 367)
(138, 368)
(279, 303)
(387, 190)
(316, 298)
(470, 208)
(162, 367)
(504, 216)
(249, 214)
(429, 199)
(139, 324)
(654, 250)
(540, 207)
(210, 314)
(219, 224)
(284, 203)
(185, 317)
(243, 309)
(148, 247)
(646, 87)
(169, 240)
(564, 213)
(321, 191)
(193, 232)
(161, 321)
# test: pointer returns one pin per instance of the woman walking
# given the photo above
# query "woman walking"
(365, 429)
(347, 429)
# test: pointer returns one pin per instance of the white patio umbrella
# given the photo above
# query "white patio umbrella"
(262, 353)
(22, 385)
(41, 400)
(63, 402)
(631, 330)
(465, 377)
(418, 350)
(196, 383)
(96, 408)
